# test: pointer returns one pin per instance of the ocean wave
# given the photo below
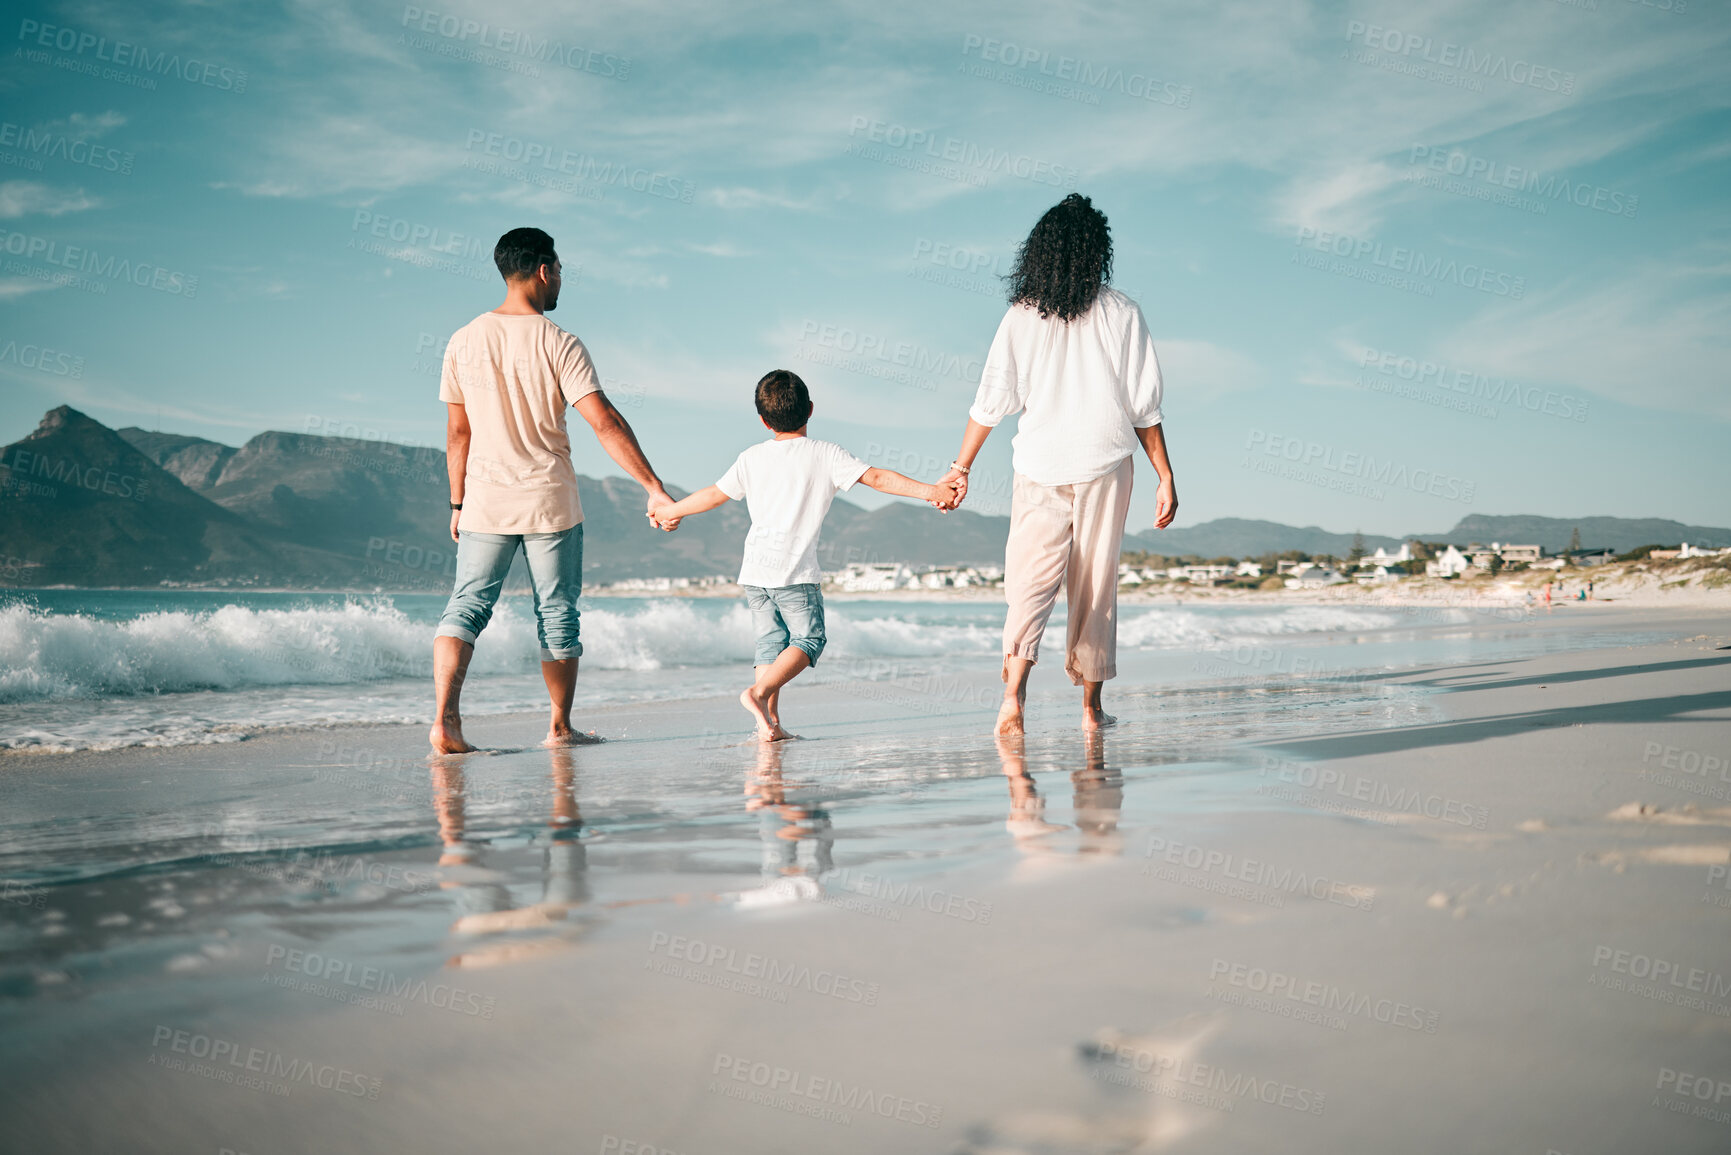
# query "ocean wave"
(1163, 629)
(49, 656)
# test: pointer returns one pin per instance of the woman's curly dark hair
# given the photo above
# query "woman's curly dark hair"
(1066, 258)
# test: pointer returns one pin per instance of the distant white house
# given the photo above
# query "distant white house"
(1201, 575)
(956, 577)
(1310, 576)
(876, 577)
(1450, 563)
(1697, 551)
(1595, 557)
(1248, 569)
(1286, 567)
(1384, 557)
(1547, 563)
(1372, 577)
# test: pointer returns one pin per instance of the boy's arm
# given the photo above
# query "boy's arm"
(669, 516)
(889, 481)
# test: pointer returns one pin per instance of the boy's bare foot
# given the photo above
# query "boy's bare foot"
(559, 736)
(1094, 718)
(1009, 720)
(767, 728)
(447, 738)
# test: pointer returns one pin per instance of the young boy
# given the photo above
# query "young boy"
(788, 484)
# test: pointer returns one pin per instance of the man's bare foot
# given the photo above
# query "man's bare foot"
(1009, 720)
(559, 736)
(447, 738)
(1094, 718)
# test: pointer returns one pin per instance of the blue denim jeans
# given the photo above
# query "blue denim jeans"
(555, 574)
(786, 616)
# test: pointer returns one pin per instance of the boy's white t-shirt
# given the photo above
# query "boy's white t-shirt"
(787, 486)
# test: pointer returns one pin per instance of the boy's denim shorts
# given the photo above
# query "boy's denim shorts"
(786, 616)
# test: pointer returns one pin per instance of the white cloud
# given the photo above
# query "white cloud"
(1204, 368)
(23, 198)
(1659, 337)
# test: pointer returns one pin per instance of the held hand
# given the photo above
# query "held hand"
(959, 482)
(456, 515)
(948, 497)
(660, 520)
(659, 498)
(1165, 504)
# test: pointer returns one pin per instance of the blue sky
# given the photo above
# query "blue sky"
(1401, 264)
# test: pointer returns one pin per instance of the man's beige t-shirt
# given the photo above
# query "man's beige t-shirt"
(516, 375)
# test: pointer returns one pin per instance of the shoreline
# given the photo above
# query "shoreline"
(1634, 584)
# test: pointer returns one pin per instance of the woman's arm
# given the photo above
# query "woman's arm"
(1166, 499)
(973, 437)
(669, 516)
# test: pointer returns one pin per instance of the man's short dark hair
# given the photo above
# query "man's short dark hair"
(782, 401)
(522, 251)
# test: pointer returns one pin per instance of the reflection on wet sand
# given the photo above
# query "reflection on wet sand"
(484, 902)
(1097, 800)
(782, 825)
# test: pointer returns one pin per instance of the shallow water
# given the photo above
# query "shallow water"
(111, 669)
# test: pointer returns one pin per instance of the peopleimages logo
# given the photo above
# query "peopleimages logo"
(1498, 390)
(57, 145)
(1097, 77)
(514, 42)
(119, 52)
(89, 261)
(1404, 260)
(584, 167)
(1350, 464)
(1486, 171)
(963, 152)
(1447, 54)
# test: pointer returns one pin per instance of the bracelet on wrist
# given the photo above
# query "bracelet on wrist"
(959, 468)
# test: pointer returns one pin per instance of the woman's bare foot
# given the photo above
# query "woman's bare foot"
(559, 736)
(447, 738)
(1009, 719)
(1094, 718)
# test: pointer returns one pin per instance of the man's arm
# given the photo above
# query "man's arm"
(889, 481)
(1166, 499)
(669, 516)
(456, 456)
(616, 437)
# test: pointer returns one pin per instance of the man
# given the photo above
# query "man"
(508, 377)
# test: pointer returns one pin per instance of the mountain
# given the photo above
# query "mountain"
(1238, 537)
(80, 505)
(195, 461)
(383, 507)
(1619, 533)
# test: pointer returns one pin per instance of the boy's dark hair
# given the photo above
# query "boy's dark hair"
(521, 251)
(1066, 258)
(783, 401)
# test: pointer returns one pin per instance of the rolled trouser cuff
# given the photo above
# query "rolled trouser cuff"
(813, 646)
(453, 630)
(563, 653)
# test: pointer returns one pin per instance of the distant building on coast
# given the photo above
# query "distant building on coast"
(1450, 563)
(1308, 575)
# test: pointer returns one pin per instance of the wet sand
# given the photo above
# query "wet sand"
(1475, 905)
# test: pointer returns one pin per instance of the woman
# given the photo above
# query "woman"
(1074, 358)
